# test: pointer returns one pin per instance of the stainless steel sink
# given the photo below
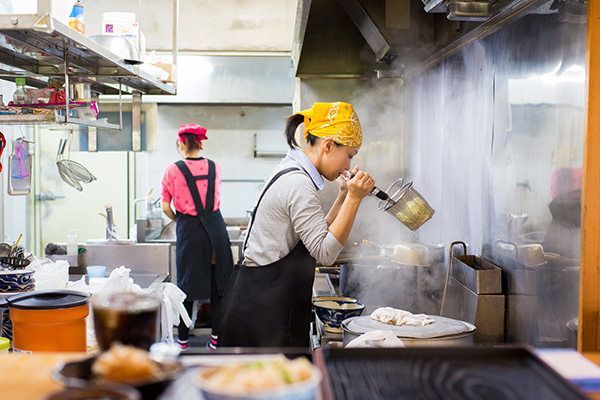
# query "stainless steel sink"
(111, 241)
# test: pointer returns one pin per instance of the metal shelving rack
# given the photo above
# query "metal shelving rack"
(39, 47)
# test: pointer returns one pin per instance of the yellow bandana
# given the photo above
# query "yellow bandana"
(337, 121)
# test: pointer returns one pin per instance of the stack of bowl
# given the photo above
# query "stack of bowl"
(13, 282)
(16, 281)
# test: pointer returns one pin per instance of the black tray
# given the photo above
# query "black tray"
(505, 373)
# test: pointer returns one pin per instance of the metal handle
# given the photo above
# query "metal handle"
(450, 255)
(380, 194)
(48, 196)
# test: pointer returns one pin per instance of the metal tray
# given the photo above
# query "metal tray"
(440, 373)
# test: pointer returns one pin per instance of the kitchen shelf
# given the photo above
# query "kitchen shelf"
(39, 47)
(34, 119)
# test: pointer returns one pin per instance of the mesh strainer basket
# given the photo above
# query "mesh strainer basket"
(407, 205)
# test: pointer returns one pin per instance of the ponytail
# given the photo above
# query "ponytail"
(291, 125)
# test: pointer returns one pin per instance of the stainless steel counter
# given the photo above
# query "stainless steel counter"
(144, 280)
(147, 258)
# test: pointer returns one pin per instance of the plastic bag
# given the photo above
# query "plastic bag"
(19, 166)
(171, 310)
(50, 275)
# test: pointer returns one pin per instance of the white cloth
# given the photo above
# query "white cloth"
(172, 310)
(376, 339)
(394, 316)
(49, 275)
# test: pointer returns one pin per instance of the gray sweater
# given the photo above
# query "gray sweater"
(290, 211)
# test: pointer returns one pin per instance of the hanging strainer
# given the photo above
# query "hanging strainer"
(406, 205)
(72, 172)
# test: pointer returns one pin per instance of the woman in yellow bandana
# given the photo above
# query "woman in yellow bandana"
(268, 301)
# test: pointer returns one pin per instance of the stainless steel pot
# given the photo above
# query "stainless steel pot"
(453, 340)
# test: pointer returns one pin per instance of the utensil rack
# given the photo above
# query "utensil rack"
(39, 47)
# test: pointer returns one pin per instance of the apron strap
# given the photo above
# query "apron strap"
(210, 190)
(193, 187)
(277, 176)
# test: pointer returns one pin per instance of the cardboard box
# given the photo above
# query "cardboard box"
(171, 69)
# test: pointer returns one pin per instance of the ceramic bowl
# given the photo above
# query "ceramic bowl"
(78, 374)
(100, 392)
(342, 299)
(306, 390)
(332, 313)
(16, 281)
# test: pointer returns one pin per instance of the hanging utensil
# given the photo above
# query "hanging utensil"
(63, 169)
(72, 172)
(77, 170)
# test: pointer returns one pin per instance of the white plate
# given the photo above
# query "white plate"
(441, 326)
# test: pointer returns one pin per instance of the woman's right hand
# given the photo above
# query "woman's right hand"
(360, 185)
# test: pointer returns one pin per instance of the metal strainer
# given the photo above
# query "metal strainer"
(72, 172)
(407, 205)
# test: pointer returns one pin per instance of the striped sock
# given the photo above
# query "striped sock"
(183, 344)
(213, 342)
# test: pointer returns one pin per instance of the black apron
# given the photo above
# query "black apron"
(199, 238)
(270, 305)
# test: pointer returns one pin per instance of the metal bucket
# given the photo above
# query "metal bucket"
(407, 205)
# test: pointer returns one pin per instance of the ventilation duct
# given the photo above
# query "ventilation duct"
(460, 10)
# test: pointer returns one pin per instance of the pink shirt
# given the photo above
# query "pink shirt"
(174, 186)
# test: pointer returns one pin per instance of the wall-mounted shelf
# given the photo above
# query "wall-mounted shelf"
(39, 47)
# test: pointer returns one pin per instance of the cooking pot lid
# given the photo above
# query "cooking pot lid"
(440, 327)
(48, 299)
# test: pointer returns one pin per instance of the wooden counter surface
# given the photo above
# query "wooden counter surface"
(28, 377)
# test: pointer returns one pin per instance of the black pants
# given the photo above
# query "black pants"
(215, 312)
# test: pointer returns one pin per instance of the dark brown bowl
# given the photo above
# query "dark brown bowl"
(100, 392)
(78, 374)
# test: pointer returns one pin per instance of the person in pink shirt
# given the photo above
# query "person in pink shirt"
(190, 196)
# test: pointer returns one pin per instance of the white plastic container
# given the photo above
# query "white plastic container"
(72, 242)
(124, 24)
(61, 9)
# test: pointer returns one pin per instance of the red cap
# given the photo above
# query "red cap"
(194, 129)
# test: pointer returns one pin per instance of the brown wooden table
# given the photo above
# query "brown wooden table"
(28, 376)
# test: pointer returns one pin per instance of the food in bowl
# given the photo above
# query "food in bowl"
(332, 313)
(126, 364)
(265, 379)
(339, 306)
(334, 298)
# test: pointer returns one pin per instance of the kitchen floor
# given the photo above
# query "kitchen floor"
(200, 334)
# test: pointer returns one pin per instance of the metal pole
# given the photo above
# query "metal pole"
(175, 48)
(67, 91)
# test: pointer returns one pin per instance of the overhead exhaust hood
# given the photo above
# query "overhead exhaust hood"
(460, 10)
(401, 38)
(369, 30)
